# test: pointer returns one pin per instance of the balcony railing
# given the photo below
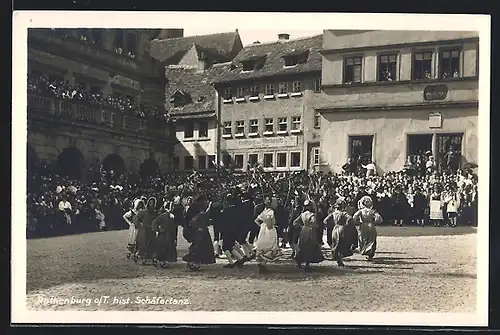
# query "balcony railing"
(58, 109)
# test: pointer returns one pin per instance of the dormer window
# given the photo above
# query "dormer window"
(253, 64)
(295, 58)
(291, 60)
(248, 65)
(180, 98)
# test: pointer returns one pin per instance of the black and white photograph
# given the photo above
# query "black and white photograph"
(279, 168)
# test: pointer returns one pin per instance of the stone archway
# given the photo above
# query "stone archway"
(114, 162)
(71, 163)
(149, 168)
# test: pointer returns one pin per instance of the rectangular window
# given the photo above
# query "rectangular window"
(317, 120)
(228, 93)
(249, 65)
(352, 70)
(202, 162)
(316, 156)
(131, 44)
(282, 124)
(226, 160)
(291, 60)
(297, 87)
(449, 151)
(211, 162)
(283, 88)
(449, 64)
(360, 148)
(254, 126)
(269, 125)
(418, 145)
(228, 128)
(295, 159)
(422, 65)
(252, 159)
(268, 160)
(254, 91)
(296, 123)
(203, 129)
(387, 67)
(238, 161)
(269, 89)
(317, 85)
(240, 127)
(188, 163)
(188, 130)
(281, 160)
(175, 163)
(240, 92)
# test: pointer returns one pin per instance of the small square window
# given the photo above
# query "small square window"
(295, 159)
(268, 160)
(283, 88)
(269, 125)
(254, 126)
(228, 128)
(240, 127)
(281, 160)
(254, 91)
(297, 87)
(283, 124)
(269, 89)
(228, 93)
(238, 161)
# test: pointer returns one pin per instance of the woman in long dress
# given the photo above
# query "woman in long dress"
(309, 247)
(166, 240)
(366, 217)
(145, 235)
(201, 250)
(128, 217)
(266, 246)
(341, 238)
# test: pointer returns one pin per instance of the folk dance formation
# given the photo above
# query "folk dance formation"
(247, 228)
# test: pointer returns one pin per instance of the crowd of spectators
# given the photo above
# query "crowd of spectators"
(43, 84)
(58, 205)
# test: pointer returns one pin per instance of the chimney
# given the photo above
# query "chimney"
(256, 42)
(283, 37)
(203, 62)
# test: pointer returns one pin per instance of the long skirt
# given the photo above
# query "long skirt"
(166, 247)
(267, 249)
(145, 244)
(367, 239)
(436, 212)
(341, 246)
(201, 250)
(132, 238)
(309, 248)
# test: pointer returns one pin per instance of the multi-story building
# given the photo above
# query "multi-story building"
(389, 95)
(191, 64)
(103, 63)
(266, 99)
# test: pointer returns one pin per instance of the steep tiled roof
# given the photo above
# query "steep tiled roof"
(274, 62)
(195, 83)
(171, 50)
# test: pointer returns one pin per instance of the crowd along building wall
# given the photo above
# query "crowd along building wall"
(393, 94)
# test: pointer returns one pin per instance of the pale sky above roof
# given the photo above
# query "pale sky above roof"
(249, 36)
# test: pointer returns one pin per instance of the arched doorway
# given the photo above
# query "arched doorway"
(149, 168)
(114, 162)
(71, 163)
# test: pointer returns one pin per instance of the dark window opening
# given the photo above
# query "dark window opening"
(449, 65)
(387, 67)
(360, 148)
(352, 70)
(422, 65)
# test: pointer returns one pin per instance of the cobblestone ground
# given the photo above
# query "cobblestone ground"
(409, 273)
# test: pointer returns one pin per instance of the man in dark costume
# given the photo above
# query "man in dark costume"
(245, 209)
(229, 230)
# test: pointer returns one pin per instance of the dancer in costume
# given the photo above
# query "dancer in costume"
(245, 224)
(145, 235)
(366, 217)
(166, 240)
(267, 249)
(309, 247)
(129, 218)
(230, 220)
(201, 250)
(339, 224)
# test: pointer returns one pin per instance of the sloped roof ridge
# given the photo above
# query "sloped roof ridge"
(282, 42)
(203, 35)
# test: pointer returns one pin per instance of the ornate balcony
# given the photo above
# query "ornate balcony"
(57, 110)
